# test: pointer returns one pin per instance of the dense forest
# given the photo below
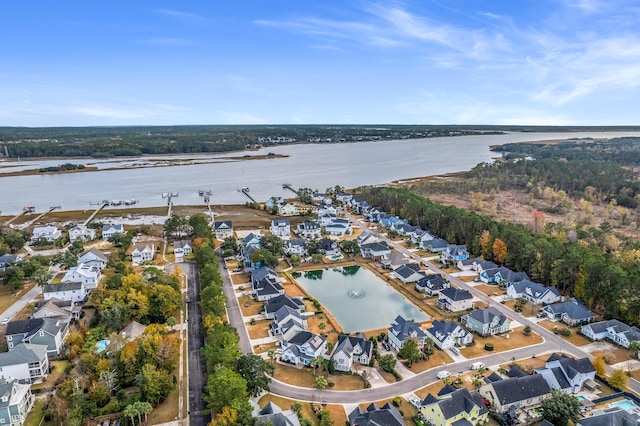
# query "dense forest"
(607, 281)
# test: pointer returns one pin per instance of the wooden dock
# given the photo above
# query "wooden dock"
(289, 187)
(15, 217)
(245, 191)
(40, 216)
(100, 207)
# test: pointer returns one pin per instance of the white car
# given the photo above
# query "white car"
(4, 321)
(443, 374)
(415, 402)
(477, 365)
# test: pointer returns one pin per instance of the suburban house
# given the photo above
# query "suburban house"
(329, 248)
(446, 334)
(248, 246)
(419, 238)
(432, 284)
(275, 303)
(48, 233)
(182, 248)
(271, 414)
(402, 330)
(287, 322)
(133, 330)
(273, 202)
(366, 238)
(26, 363)
(568, 374)
(297, 247)
(453, 254)
(40, 331)
(90, 276)
(287, 209)
(343, 197)
(142, 252)
(251, 240)
(376, 251)
(616, 331)
(533, 292)
(476, 264)
(502, 275)
(94, 258)
(614, 416)
(56, 308)
(350, 349)
(406, 230)
(7, 260)
(436, 245)
(321, 198)
(359, 206)
(338, 227)
(109, 231)
(310, 230)
(74, 291)
(455, 299)
(326, 209)
(265, 283)
(16, 400)
(326, 218)
(281, 228)
(570, 312)
(486, 322)
(387, 220)
(82, 233)
(395, 260)
(409, 273)
(223, 230)
(387, 415)
(303, 347)
(459, 407)
(519, 392)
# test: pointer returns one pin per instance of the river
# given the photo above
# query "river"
(317, 166)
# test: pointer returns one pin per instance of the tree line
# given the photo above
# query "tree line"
(607, 281)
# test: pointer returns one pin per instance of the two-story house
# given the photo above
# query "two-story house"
(288, 209)
(50, 332)
(142, 252)
(487, 322)
(455, 299)
(16, 400)
(568, 374)
(616, 331)
(296, 246)
(310, 230)
(27, 363)
(90, 276)
(329, 248)
(387, 415)
(432, 284)
(350, 349)
(48, 233)
(223, 230)
(303, 347)
(377, 250)
(447, 334)
(338, 227)
(402, 330)
(74, 291)
(94, 258)
(518, 392)
(409, 273)
(182, 248)
(533, 292)
(287, 322)
(274, 304)
(453, 254)
(281, 228)
(109, 231)
(82, 233)
(459, 407)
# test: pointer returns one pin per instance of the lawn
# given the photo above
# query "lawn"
(241, 278)
(314, 321)
(575, 338)
(491, 290)
(338, 416)
(304, 377)
(264, 347)
(614, 355)
(36, 415)
(167, 411)
(528, 364)
(249, 306)
(516, 339)
(436, 359)
(432, 389)
(8, 295)
(530, 309)
(57, 370)
(259, 330)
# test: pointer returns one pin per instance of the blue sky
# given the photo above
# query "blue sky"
(74, 63)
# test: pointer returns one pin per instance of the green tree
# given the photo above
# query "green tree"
(272, 243)
(410, 352)
(325, 418)
(350, 246)
(295, 259)
(560, 408)
(255, 370)
(320, 382)
(41, 276)
(618, 378)
(13, 276)
(527, 330)
(153, 385)
(265, 257)
(634, 347)
(164, 301)
(387, 362)
(225, 387)
(176, 226)
(199, 226)
(117, 240)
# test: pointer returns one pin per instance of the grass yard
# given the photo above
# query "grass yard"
(264, 348)
(388, 377)
(249, 306)
(36, 415)
(432, 389)
(528, 364)
(575, 338)
(516, 339)
(304, 377)
(436, 359)
(530, 309)
(490, 290)
(614, 355)
(259, 330)
(241, 278)
(314, 321)
(167, 411)
(338, 416)
(57, 370)
(8, 295)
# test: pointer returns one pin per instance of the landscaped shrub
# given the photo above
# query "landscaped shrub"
(488, 346)
(565, 332)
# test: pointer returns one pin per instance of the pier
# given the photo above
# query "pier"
(169, 196)
(245, 191)
(25, 211)
(207, 201)
(29, 223)
(100, 207)
(289, 187)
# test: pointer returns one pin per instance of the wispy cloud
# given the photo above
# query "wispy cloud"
(187, 17)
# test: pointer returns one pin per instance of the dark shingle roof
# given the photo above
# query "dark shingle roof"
(520, 388)
(387, 415)
(461, 401)
(455, 294)
(486, 316)
(611, 417)
(69, 285)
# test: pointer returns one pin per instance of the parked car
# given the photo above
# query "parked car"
(443, 374)
(5, 321)
(386, 346)
(477, 365)
(415, 402)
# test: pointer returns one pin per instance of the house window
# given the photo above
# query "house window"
(9, 338)
(10, 345)
(41, 333)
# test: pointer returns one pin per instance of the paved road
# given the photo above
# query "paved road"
(234, 314)
(19, 304)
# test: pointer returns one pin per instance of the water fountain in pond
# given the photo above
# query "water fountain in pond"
(356, 294)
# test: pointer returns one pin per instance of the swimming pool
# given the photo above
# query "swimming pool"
(625, 404)
(581, 398)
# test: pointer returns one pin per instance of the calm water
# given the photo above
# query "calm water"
(357, 298)
(308, 165)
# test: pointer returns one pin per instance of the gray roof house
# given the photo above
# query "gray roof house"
(446, 334)
(16, 400)
(409, 273)
(571, 313)
(455, 299)
(94, 258)
(502, 274)
(41, 331)
(395, 260)
(223, 229)
(26, 363)
(402, 330)
(459, 407)
(487, 321)
(350, 349)
(274, 304)
(432, 284)
(520, 392)
(303, 347)
(533, 292)
(568, 374)
(387, 415)
(273, 415)
(436, 245)
(614, 416)
(476, 264)
(617, 331)
(56, 308)
(7, 260)
(287, 322)
(281, 228)
(378, 250)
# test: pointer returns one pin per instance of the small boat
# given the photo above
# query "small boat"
(209, 192)
(165, 194)
(174, 194)
(130, 202)
(29, 209)
(201, 192)
(245, 189)
(115, 203)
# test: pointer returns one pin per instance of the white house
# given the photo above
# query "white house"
(343, 197)
(310, 230)
(447, 334)
(287, 322)
(223, 230)
(142, 252)
(567, 374)
(182, 248)
(303, 347)
(88, 275)
(533, 292)
(49, 233)
(68, 291)
(376, 251)
(350, 349)
(109, 231)
(281, 228)
(409, 273)
(26, 363)
(288, 209)
(338, 227)
(402, 330)
(614, 330)
(297, 247)
(455, 299)
(81, 232)
(16, 400)
(94, 258)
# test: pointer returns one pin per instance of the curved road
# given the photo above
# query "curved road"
(551, 343)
